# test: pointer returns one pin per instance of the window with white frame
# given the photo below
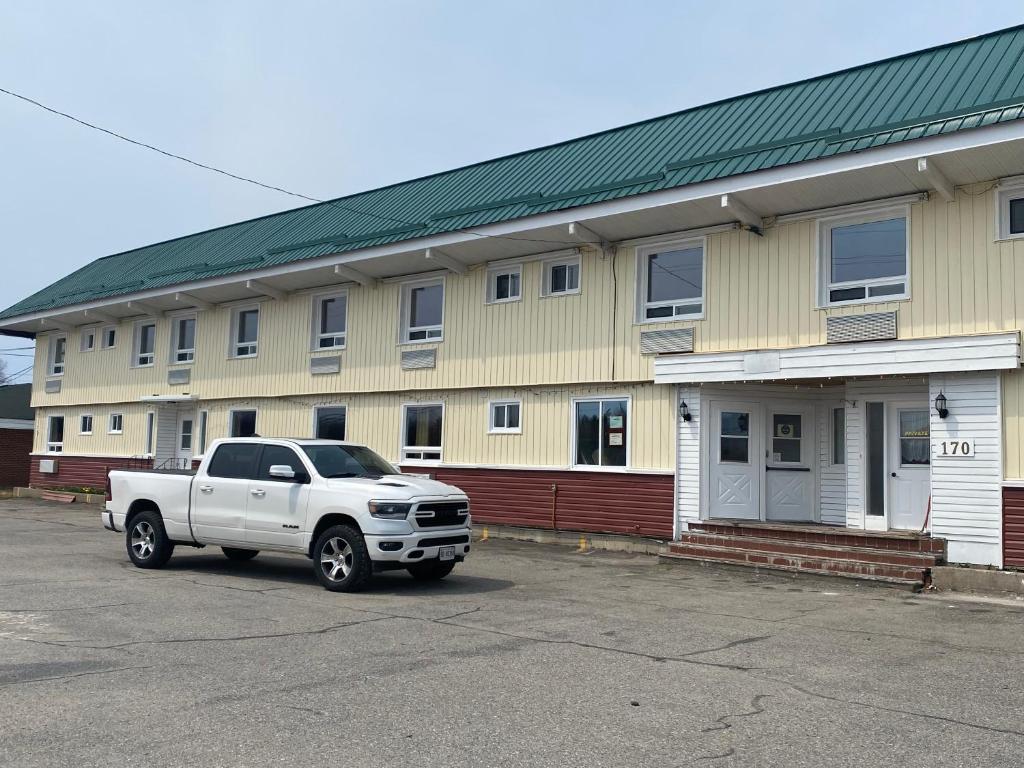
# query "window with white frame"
(329, 422)
(245, 331)
(423, 311)
(144, 352)
(87, 342)
(58, 355)
(183, 339)
(671, 283)
(204, 417)
(864, 257)
(505, 417)
(55, 434)
(601, 432)
(330, 319)
(422, 427)
(504, 284)
(115, 424)
(562, 277)
(108, 337)
(839, 435)
(1011, 211)
(242, 423)
(85, 424)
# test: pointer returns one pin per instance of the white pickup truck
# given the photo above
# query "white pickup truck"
(338, 503)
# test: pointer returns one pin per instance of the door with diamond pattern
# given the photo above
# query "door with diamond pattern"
(735, 461)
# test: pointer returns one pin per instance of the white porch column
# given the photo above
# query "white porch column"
(688, 469)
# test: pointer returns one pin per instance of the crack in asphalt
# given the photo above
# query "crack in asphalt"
(722, 723)
(71, 676)
(64, 610)
(728, 753)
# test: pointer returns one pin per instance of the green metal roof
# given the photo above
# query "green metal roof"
(953, 87)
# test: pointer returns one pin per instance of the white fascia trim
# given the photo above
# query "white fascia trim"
(844, 210)
(811, 169)
(17, 424)
(537, 468)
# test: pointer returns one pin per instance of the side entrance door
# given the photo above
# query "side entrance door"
(909, 464)
(185, 438)
(734, 482)
(220, 497)
(790, 464)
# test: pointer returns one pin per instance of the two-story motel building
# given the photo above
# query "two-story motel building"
(800, 305)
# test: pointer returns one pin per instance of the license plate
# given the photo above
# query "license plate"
(446, 553)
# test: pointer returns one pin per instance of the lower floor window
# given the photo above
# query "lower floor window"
(915, 445)
(116, 424)
(55, 434)
(601, 433)
(421, 434)
(330, 422)
(85, 425)
(243, 423)
(505, 417)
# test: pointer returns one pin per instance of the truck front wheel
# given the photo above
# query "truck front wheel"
(341, 560)
(147, 542)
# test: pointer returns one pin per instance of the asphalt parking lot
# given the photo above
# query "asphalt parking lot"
(528, 655)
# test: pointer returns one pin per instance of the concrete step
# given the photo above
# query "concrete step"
(810, 549)
(896, 541)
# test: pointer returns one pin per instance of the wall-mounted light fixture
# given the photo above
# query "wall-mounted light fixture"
(684, 411)
(940, 405)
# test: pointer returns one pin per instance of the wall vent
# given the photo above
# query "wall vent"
(179, 376)
(877, 326)
(660, 342)
(48, 466)
(419, 358)
(52, 386)
(322, 365)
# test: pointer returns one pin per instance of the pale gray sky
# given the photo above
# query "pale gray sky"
(328, 98)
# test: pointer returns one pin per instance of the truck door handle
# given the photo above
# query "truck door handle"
(258, 492)
(206, 488)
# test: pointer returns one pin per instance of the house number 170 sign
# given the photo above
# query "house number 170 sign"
(954, 448)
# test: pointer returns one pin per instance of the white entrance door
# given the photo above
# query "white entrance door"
(735, 461)
(185, 439)
(909, 465)
(789, 464)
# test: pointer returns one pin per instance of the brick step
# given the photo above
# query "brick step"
(845, 537)
(821, 566)
(810, 549)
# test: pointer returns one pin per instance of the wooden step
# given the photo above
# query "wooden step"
(810, 549)
(896, 541)
(64, 498)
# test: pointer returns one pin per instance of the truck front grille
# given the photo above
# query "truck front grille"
(437, 514)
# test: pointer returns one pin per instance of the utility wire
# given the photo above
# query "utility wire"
(248, 180)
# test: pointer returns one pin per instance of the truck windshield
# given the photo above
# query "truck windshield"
(347, 461)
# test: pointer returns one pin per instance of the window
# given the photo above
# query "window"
(245, 332)
(108, 337)
(422, 311)
(562, 277)
(85, 424)
(183, 340)
(87, 342)
(734, 437)
(505, 417)
(276, 455)
(601, 434)
(329, 422)
(185, 435)
(421, 436)
(203, 418)
(1011, 212)
(115, 424)
(145, 345)
(787, 433)
(864, 257)
(839, 435)
(329, 321)
(234, 460)
(58, 355)
(347, 461)
(55, 434)
(242, 424)
(504, 284)
(671, 281)
(915, 445)
(150, 432)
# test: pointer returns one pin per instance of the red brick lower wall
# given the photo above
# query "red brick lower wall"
(1013, 527)
(81, 471)
(598, 502)
(15, 447)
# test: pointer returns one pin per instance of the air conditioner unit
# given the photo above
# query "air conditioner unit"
(48, 466)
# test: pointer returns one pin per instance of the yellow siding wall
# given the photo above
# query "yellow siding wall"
(375, 419)
(1013, 424)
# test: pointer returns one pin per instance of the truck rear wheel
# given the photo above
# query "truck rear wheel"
(231, 553)
(147, 542)
(431, 570)
(341, 561)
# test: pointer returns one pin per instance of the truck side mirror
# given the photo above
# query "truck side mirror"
(282, 471)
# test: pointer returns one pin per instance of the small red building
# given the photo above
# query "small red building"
(16, 425)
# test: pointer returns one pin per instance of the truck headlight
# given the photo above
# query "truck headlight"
(389, 510)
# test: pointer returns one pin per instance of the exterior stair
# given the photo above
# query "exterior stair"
(894, 557)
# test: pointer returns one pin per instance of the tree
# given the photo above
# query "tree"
(3, 371)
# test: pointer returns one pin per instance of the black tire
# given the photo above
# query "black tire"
(231, 553)
(431, 570)
(147, 542)
(342, 547)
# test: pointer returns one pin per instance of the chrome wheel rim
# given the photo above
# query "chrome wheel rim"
(336, 559)
(143, 540)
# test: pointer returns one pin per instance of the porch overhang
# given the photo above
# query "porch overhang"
(906, 357)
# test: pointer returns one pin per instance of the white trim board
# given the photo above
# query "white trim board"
(987, 352)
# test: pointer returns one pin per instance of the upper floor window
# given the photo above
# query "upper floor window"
(55, 434)
(108, 337)
(57, 356)
(864, 257)
(504, 284)
(562, 277)
(183, 340)
(330, 318)
(1011, 212)
(145, 345)
(88, 340)
(671, 281)
(245, 332)
(423, 311)
(421, 432)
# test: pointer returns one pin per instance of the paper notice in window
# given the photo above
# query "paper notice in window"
(615, 438)
(615, 422)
